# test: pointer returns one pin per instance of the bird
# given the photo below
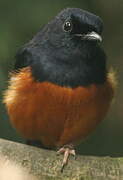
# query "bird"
(60, 88)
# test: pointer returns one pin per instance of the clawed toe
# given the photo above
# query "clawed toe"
(67, 150)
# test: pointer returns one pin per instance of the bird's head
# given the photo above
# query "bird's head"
(72, 25)
(73, 33)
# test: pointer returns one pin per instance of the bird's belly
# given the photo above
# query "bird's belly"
(53, 114)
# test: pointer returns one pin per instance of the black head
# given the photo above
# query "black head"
(70, 25)
(80, 22)
(67, 46)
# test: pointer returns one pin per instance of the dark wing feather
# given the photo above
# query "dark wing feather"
(23, 59)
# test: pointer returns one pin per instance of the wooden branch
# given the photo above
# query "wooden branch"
(45, 165)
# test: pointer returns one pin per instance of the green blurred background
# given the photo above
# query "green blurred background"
(20, 20)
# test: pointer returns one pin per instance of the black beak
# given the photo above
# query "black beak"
(92, 36)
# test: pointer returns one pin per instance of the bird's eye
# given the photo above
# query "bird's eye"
(67, 26)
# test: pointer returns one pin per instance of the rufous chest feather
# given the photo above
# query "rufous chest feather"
(41, 110)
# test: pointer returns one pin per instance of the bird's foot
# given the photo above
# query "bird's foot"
(67, 150)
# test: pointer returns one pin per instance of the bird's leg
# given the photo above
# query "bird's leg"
(66, 150)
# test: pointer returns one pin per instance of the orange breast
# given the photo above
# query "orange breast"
(53, 114)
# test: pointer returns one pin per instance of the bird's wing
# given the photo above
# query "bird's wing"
(23, 59)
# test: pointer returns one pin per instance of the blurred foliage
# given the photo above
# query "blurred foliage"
(20, 20)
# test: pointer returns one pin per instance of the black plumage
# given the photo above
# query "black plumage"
(61, 56)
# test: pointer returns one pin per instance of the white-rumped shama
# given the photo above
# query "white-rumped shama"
(60, 88)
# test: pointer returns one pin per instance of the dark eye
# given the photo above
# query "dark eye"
(67, 26)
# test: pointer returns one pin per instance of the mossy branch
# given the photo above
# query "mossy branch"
(46, 165)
